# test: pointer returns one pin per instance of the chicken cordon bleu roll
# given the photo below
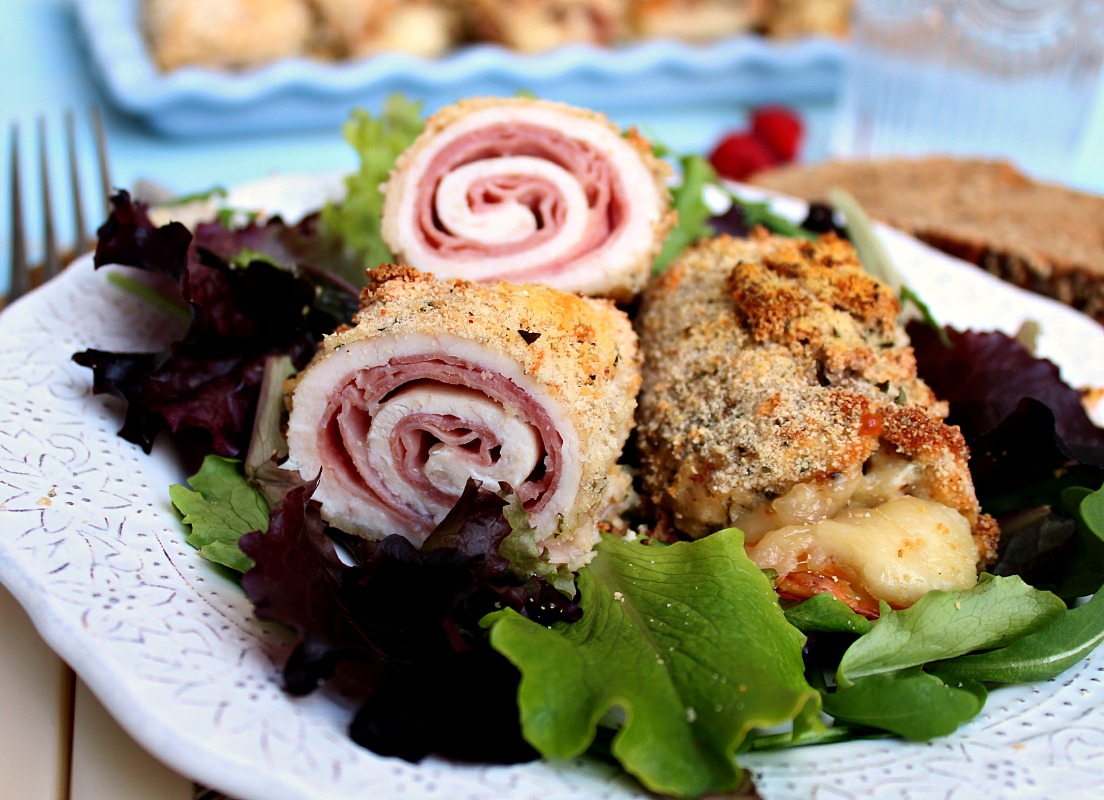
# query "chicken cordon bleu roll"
(780, 396)
(529, 191)
(438, 382)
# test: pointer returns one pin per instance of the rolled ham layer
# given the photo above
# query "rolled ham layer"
(438, 382)
(529, 191)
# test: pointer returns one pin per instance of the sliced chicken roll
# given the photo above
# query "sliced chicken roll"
(513, 385)
(780, 396)
(527, 190)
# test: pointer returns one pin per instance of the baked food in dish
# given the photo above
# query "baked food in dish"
(442, 381)
(529, 190)
(225, 33)
(353, 28)
(792, 18)
(780, 396)
(533, 26)
(1040, 236)
(694, 20)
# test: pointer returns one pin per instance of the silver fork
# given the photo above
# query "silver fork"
(54, 258)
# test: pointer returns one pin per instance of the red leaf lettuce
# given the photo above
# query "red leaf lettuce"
(251, 294)
(402, 625)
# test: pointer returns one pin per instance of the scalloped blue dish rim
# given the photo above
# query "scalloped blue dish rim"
(301, 94)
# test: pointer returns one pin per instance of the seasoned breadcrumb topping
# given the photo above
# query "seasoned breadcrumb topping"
(583, 352)
(771, 362)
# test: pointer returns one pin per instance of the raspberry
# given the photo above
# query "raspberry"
(739, 155)
(779, 129)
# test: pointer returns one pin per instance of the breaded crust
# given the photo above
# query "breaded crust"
(771, 362)
(582, 352)
(618, 278)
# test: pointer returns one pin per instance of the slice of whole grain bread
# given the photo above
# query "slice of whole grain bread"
(1040, 236)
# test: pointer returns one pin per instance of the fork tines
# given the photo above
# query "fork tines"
(54, 257)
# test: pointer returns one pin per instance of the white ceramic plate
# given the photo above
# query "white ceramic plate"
(300, 94)
(91, 547)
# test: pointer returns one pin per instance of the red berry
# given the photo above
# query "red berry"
(739, 155)
(779, 129)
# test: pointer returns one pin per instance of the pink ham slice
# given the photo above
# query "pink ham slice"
(405, 435)
(423, 394)
(524, 190)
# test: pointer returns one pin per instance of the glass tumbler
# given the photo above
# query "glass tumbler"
(1012, 79)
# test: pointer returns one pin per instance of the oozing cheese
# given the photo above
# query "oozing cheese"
(898, 550)
(873, 525)
(884, 476)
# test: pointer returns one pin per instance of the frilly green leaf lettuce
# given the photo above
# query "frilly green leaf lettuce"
(378, 142)
(686, 643)
(220, 507)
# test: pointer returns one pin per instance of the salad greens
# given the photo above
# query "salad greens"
(355, 221)
(220, 508)
(203, 388)
(698, 220)
(678, 655)
(943, 625)
(399, 624)
(659, 644)
(694, 213)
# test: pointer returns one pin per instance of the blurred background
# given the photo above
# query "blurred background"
(198, 93)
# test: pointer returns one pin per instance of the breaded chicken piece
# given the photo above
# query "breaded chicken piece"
(779, 390)
(442, 381)
(354, 28)
(534, 26)
(694, 20)
(225, 33)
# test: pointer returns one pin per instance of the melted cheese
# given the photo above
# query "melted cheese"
(884, 476)
(898, 550)
(803, 504)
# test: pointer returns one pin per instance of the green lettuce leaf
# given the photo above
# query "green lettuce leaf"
(220, 508)
(944, 625)
(660, 646)
(823, 612)
(688, 199)
(910, 703)
(378, 142)
(881, 679)
(1066, 639)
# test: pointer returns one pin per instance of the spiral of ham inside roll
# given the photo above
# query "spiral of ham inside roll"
(525, 190)
(398, 413)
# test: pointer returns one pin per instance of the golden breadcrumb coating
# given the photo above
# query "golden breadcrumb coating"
(582, 352)
(225, 33)
(771, 362)
(534, 26)
(618, 277)
(694, 20)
